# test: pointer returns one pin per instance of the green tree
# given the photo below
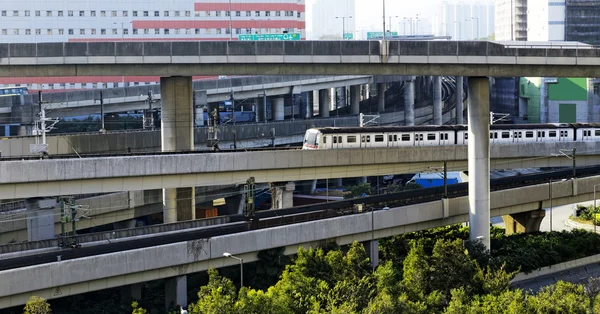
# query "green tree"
(217, 297)
(563, 297)
(252, 301)
(137, 309)
(358, 190)
(37, 305)
(451, 267)
(416, 272)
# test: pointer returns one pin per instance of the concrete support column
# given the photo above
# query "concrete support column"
(437, 100)
(526, 222)
(176, 292)
(313, 186)
(261, 109)
(324, 103)
(282, 195)
(372, 248)
(342, 97)
(355, 99)
(409, 102)
(309, 105)
(479, 159)
(544, 106)
(40, 218)
(459, 100)
(339, 182)
(278, 109)
(131, 292)
(177, 134)
(380, 97)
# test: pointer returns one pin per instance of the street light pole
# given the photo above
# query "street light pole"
(383, 20)
(241, 267)
(343, 25)
(477, 19)
(230, 23)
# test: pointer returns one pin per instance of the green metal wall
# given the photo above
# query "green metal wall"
(568, 89)
(567, 113)
(529, 88)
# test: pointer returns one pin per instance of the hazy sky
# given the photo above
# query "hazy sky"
(369, 12)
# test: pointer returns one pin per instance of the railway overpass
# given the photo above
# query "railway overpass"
(81, 275)
(37, 178)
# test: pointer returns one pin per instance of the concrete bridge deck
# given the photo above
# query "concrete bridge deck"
(129, 267)
(32, 178)
(463, 58)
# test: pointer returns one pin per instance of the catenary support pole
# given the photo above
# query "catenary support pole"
(459, 100)
(437, 100)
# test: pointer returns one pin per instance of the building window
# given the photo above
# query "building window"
(61, 31)
(207, 13)
(125, 31)
(166, 13)
(217, 13)
(166, 31)
(69, 13)
(92, 13)
(134, 13)
(227, 31)
(15, 13)
(16, 31)
(257, 13)
(93, 31)
(103, 13)
(71, 31)
(27, 13)
(135, 31)
(219, 31)
(4, 31)
(28, 31)
(227, 13)
(176, 13)
(48, 13)
(145, 13)
(238, 13)
(298, 14)
(177, 31)
(125, 13)
(208, 31)
(102, 31)
(3, 12)
(238, 31)
(156, 31)
(188, 13)
(113, 13)
(146, 31)
(82, 13)
(196, 13)
(38, 13)
(267, 13)
(114, 31)
(38, 31)
(197, 31)
(248, 13)
(277, 13)
(188, 31)
(82, 31)
(60, 13)
(156, 13)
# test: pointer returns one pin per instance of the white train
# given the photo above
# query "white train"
(401, 136)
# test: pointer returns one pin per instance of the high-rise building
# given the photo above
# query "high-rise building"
(465, 20)
(511, 20)
(564, 20)
(36, 21)
(332, 17)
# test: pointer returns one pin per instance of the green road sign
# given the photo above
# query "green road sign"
(348, 36)
(373, 35)
(291, 36)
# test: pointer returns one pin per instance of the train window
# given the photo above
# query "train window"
(351, 139)
(505, 135)
(551, 133)
(395, 137)
(420, 137)
(368, 138)
(390, 138)
(340, 139)
(431, 136)
(324, 139)
(405, 137)
(466, 136)
(378, 138)
(491, 135)
(529, 134)
(597, 132)
(335, 140)
(362, 138)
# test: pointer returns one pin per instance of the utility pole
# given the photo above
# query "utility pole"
(102, 128)
(41, 129)
(249, 205)
(230, 23)
(383, 20)
(148, 122)
(445, 179)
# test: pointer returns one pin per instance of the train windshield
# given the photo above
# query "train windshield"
(311, 139)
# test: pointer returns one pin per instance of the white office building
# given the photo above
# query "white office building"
(330, 18)
(465, 20)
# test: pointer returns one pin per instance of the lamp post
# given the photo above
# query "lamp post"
(343, 25)
(241, 267)
(410, 23)
(459, 30)
(230, 23)
(477, 19)
(122, 28)
(390, 17)
(383, 20)
(417, 30)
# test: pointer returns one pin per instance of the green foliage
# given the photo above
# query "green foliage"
(37, 305)
(358, 190)
(137, 309)
(588, 213)
(563, 297)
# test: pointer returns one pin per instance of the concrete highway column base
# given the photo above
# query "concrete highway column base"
(282, 195)
(279, 109)
(177, 134)
(437, 100)
(176, 292)
(409, 102)
(526, 222)
(479, 160)
(459, 100)
(380, 97)
(355, 99)
(372, 248)
(261, 109)
(324, 103)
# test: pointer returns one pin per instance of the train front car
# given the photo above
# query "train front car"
(311, 139)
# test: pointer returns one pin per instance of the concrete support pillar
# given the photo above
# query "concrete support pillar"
(544, 102)
(372, 248)
(40, 218)
(324, 103)
(309, 105)
(261, 109)
(459, 100)
(177, 134)
(479, 159)
(437, 100)
(339, 182)
(380, 97)
(409, 102)
(355, 99)
(278, 109)
(131, 292)
(363, 180)
(313, 186)
(526, 222)
(342, 97)
(282, 195)
(176, 292)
